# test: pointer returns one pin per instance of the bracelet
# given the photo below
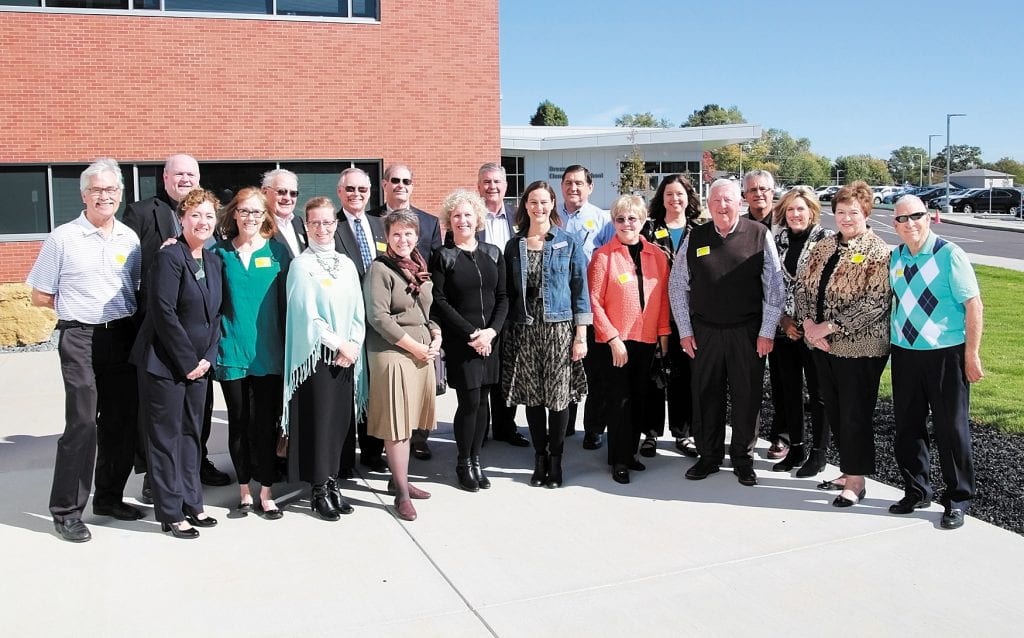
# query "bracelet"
(580, 341)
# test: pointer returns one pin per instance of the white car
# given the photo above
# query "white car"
(880, 192)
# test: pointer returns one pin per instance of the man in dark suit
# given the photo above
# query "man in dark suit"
(281, 188)
(499, 227)
(397, 186)
(361, 238)
(154, 221)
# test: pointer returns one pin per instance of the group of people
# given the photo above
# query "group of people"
(329, 331)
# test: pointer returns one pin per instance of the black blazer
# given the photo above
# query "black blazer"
(430, 230)
(510, 214)
(345, 239)
(182, 322)
(300, 235)
(153, 221)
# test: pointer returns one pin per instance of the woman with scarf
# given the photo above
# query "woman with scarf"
(400, 348)
(324, 332)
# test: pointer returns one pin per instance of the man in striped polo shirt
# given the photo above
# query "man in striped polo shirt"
(88, 271)
(935, 334)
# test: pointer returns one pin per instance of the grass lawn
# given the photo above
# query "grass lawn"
(998, 400)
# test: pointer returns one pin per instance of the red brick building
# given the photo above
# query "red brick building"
(410, 82)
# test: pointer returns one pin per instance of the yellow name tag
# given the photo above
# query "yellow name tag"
(515, 229)
(624, 278)
(857, 258)
(326, 282)
(382, 247)
(703, 251)
(661, 233)
(589, 224)
(263, 262)
(120, 258)
(899, 272)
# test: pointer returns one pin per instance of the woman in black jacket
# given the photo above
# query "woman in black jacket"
(470, 304)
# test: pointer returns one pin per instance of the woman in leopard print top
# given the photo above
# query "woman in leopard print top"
(843, 298)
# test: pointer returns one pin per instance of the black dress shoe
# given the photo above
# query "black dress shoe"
(146, 497)
(271, 514)
(842, 501)
(421, 450)
(636, 465)
(592, 441)
(206, 521)
(621, 474)
(120, 511)
(478, 473)
(745, 475)
(322, 505)
(346, 473)
(73, 530)
(178, 532)
(374, 463)
(952, 519)
(908, 504)
(702, 469)
(814, 465)
(337, 500)
(210, 475)
(244, 508)
(515, 440)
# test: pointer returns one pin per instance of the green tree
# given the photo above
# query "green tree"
(714, 115)
(633, 178)
(870, 169)
(805, 167)
(1008, 165)
(962, 157)
(549, 115)
(642, 120)
(905, 163)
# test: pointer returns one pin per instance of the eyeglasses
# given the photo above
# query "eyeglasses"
(109, 190)
(283, 192)
(903, 219)
(626, 220)
(361, 189)
(401, 180)
(759, 189)
(326, 224)
(249, 212)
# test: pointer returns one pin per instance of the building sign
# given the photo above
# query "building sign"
(555, 172)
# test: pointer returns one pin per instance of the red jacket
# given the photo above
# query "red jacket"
(615, 298)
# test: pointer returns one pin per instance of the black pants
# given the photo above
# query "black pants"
(204, 435)
(254, 407)
(503, 416)
(174, 415)
(849, 388)
(935, 380)
(547, 428)
(324, 419)
(678, 395)
(100, 418)
(628, 396)
(595, 409)
(789, 364)
(726, 360)
(470, 422)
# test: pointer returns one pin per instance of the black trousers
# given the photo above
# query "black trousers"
(678, 395)
(324, 419)
(470, 422)
(174, 416)
(204, 435)
(789, 364)
(254, 408)
(595, 409)
(935, 380)
(726, 361)
(628, 395)
(849, 388)
(503, 416)
(100, 415)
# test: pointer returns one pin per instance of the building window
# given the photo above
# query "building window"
(515, 174)
(24, 208)
(66, 189)
(307, 8)
(264, 7)
(85, 4)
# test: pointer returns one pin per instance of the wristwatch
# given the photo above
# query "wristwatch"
(580, 340)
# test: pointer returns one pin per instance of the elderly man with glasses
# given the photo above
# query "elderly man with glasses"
(759, 193)
(281, 187)
(936, 336)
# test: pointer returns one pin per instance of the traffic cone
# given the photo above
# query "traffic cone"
(938, 218)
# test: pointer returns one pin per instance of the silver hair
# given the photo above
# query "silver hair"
(352, 169)
(720, 182)
(459, 197)
(759, 173)
(490, 167)
(102, 165)
(270, 176)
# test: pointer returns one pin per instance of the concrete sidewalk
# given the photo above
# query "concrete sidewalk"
(661, 556)
(1015, 225)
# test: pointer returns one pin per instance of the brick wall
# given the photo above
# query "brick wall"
(421, 88)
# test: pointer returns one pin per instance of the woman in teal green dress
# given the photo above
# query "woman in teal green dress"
(250, 361)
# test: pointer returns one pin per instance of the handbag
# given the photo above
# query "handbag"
(661, 370)
(440, 374)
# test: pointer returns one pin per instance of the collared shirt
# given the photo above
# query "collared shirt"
(352, 221)
(496, 229)
(285, 228)
(929, 290)
(93, 277)
(771, 283)
(587, 225)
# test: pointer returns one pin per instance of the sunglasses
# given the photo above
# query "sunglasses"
(903, 219)
(360, 189)
(282, 192)
(626, 220)
(401, 180)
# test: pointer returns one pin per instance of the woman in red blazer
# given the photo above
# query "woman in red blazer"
(629, 296)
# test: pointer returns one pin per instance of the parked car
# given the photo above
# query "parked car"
(895, 194)
(931, 192)
(825, 194)
(880, 192)
(993, 200)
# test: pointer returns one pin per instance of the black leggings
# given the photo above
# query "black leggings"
(254, 407)
(547, 428)
(470, 421)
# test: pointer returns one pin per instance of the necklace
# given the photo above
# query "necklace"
(330, 262)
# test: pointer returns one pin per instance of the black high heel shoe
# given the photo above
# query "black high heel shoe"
(320, 503)
(337, 500)
(195, 521)
(842, 501)
(796, 455)
(177, 532)
(478, 473)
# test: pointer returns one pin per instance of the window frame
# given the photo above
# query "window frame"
(164, 13)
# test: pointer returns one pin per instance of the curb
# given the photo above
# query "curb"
(961, 222)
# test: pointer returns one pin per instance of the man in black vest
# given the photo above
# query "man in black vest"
(727, 296)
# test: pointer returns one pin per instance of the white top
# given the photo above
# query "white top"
(496, 229)
(285, 228)
(93, 277)
(352, 221)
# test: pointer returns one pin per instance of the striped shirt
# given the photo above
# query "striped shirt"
(93, 277)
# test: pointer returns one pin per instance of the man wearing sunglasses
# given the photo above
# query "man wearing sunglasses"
(935, 334)
(281, 187)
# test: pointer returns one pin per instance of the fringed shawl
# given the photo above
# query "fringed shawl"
(318, 302)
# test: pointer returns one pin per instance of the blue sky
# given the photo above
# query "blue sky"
(864, 77)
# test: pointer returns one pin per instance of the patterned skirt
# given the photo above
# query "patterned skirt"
(537, 366)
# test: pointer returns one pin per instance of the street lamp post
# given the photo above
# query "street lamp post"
(930, 155)
(949, 209)
(920, 174)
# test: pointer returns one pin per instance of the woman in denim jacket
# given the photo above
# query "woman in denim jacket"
(549, 309)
